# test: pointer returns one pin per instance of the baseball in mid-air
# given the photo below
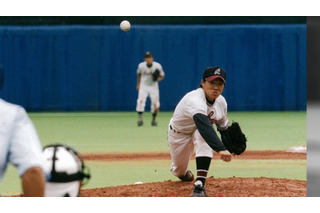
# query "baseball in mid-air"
(125, 25)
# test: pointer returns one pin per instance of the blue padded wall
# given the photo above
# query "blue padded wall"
(89, 68)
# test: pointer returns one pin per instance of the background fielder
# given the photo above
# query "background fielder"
(192, 124)
(147, 86)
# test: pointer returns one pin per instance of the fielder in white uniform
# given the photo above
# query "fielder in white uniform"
(20, 145)
(146, 86)
(192, 124)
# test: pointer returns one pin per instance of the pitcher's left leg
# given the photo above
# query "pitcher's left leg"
(204, 155)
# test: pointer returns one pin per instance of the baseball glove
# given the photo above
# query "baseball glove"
(233, 139)
(156, 75)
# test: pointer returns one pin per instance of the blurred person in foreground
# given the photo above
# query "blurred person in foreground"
(20, 146)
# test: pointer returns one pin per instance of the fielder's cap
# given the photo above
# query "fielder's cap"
(212, 73)
(148, 54)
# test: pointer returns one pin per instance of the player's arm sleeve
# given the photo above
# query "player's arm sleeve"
(223, 124)
(139, 69)
(208, 133)
(161, 71)
(25, 149)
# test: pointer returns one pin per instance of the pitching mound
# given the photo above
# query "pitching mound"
(215, 187)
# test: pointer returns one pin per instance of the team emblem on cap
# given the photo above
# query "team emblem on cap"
(217, 72)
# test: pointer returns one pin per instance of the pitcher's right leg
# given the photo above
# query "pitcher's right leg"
(181, 148)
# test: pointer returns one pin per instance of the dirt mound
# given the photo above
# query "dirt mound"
(215, 187)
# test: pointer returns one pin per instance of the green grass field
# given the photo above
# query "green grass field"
(117, 132)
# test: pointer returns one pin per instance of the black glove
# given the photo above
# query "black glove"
(233, 139)
(156, 75)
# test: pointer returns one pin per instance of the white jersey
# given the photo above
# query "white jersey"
(19, 141)
(195, 102)
(146, 73)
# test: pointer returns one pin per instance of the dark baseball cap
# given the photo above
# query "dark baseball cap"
(148, 54)
(212, 73)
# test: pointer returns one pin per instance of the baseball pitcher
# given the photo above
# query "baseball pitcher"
(192, 124)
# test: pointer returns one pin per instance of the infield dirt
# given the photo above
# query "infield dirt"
(215, 187)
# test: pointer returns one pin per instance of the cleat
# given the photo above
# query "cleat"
(198, 190)
(188, 177)
(140, 123)
(154, 123)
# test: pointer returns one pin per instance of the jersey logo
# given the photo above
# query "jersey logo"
(212, 121)
(147, 72)
(217, 72)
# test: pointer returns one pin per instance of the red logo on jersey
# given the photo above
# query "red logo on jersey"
(212, 121)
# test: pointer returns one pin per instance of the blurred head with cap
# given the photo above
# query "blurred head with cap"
(148, 57)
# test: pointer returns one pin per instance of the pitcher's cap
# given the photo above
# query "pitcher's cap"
(212, 73)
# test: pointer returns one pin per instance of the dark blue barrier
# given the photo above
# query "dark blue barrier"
(88, 68)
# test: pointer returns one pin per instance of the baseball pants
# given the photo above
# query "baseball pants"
(144, 92)
(181, 148)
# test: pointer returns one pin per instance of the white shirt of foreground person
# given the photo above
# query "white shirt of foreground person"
(20, 145)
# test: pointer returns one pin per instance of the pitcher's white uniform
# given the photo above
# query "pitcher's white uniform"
(148, 87)
(19, 141)
(183, 133)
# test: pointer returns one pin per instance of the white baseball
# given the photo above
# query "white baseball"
(125, 25)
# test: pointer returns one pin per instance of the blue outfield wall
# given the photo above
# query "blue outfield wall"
(89, 68)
